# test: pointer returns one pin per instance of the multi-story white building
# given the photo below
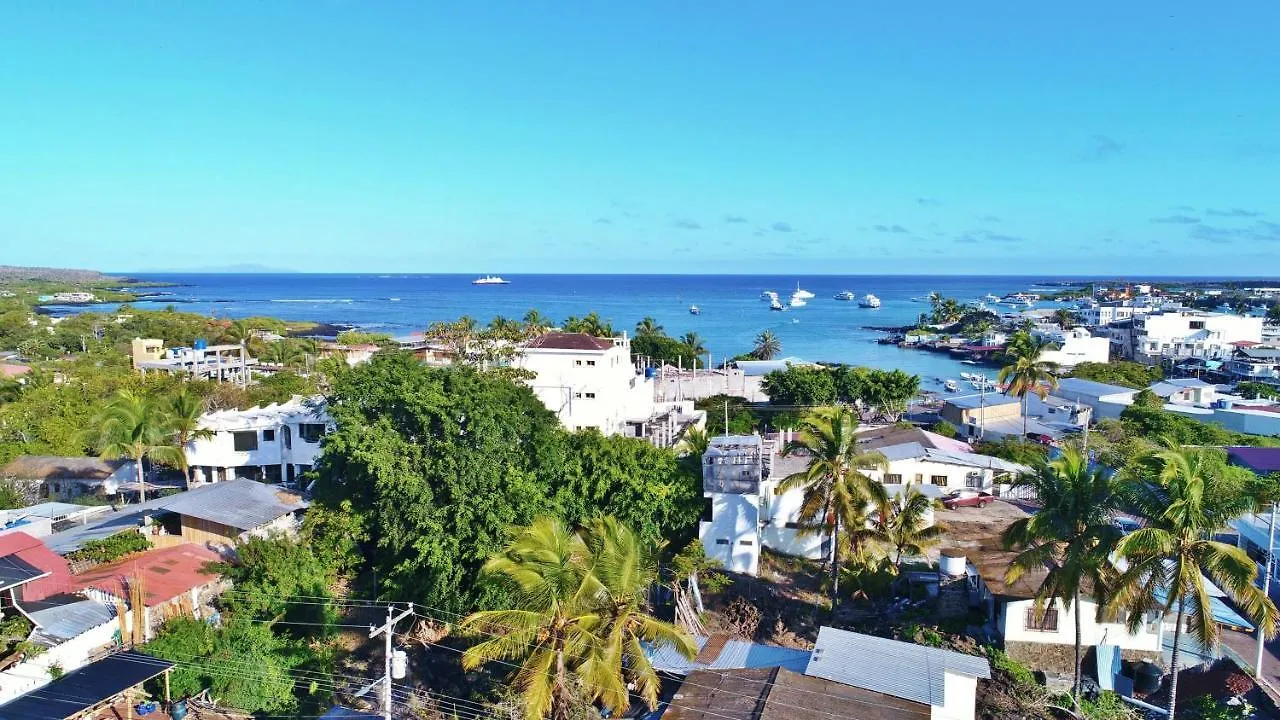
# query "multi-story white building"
(275, 443)
(591, 383)
(1075, 346)
(1105, 313)
(1181, 333)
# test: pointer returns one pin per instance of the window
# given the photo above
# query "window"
(793, 526)
(591, 396)
(311, 432)
(1197, 324)
(919, 477)
(1047, 623)
(591, 363)
(748, 543)
(938, 479)
(893, 478)
(268, 435)
(577, 363)
(577, 396)
(722, 541)
(244, 441)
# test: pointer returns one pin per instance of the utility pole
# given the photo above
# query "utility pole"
(982, 405)
(1266, 587)
(385, 629)
(726, 417)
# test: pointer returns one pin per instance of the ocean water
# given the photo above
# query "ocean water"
(732, 311)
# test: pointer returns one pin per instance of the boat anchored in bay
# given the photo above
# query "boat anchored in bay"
(490, 280)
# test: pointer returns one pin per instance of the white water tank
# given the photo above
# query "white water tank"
(952, 562)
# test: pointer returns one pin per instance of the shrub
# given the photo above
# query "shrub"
(944, 428)
(1020, 674)
(111, 548)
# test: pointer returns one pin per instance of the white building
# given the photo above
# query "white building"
(1105, 313)
(1107, 401)
(1044, 641)
(592, 383)
(745, 511)
(276, 443)
(1075, 346)
(1182, 333)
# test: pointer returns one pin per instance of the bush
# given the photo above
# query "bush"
(1020, 674)
(1107, 706)
(944, 428)
(111, 548)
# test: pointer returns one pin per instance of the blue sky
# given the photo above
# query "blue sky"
(711, 136)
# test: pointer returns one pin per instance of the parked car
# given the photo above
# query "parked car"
(967, 498)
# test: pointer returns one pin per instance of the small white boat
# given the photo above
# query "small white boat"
(802, 294)
(797, 301)
(869, 301)
(951, 386)
(695, 310)
(968, 376)
(922, 299)
(775, 305)
(991, 298)
(768, 295)
(490, 280)
(969, 362)
(844, 295)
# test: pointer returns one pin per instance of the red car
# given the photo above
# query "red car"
(967, 498)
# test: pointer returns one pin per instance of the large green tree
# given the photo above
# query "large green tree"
(1184, 497)
(644, 486)
(436, 464)
(137, 428)
(1071, 537)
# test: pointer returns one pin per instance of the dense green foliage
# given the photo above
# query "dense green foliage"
(111, 548)
(1255, 390)
(1120, 372)
(944, 428)
(437, 463)
(742, 418)
(243, 664)
(880, 394)
(267, 571)
(658, 348)
(641, 485)
(1014, 450)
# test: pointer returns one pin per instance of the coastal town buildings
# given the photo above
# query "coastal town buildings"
(1074, 346)
(992, 416)
(1174, 334)
(1254, 363)
(591, 383)
(275, 443)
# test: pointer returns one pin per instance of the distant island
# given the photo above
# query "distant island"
(69, 275)
(243, 268)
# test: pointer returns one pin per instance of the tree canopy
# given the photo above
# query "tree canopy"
(1120, 372)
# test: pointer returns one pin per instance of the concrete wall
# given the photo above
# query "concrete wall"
(732, 536)
(781, 510)
(959, 694)
(70, 655)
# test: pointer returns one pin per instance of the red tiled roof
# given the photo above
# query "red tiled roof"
(166, 573)
(34, 552)
(1245, 343)
(570, 341)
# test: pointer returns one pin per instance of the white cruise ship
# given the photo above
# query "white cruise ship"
(802, 294)
(490, 280)
(869, 301)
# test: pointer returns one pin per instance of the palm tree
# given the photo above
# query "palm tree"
(1071, 536)
(1026, 373)
(536, 321)
(1183, 500)
(579, 611)
(286, 353)
(185, 408)
(767, 347)
(648, 326)
(835, 483)
(1065, 318)
(590, 324)
(626, 568)
(695, 442)
(239, 332)
(137, 429)
(695, 343)
(904, 524)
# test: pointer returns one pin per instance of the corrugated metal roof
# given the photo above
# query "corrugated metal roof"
(84, 688)
(1069, 387)
(904, 670)
(734, 655)
(242, 503)
(63, 617)
(338, 712)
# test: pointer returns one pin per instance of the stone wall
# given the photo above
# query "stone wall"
(1060, 659)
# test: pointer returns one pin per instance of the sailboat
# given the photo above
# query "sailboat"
(802, 294)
